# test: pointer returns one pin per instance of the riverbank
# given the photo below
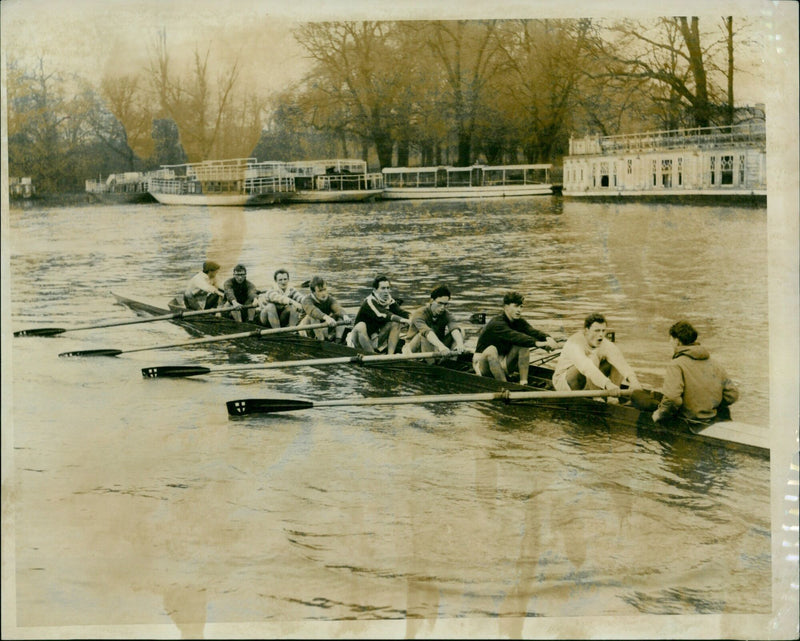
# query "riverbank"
(73, 199)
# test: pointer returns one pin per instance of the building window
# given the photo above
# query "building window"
(604, 174)
(741, 169)
(614, 174)
(713, 160)
(680, 171)
(666, 172)
(655, 176)
(630, 166)
(726, 170)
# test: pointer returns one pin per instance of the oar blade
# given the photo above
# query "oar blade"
(40, 331)
(92, 352)
(246, 406)
(174, 371)
(645, 400)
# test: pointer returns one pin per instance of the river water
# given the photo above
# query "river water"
(140, 502)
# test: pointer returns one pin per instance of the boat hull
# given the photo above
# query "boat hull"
(333, 196)
(498, 191)
(120, 198)
(457, 375)
(218, 200)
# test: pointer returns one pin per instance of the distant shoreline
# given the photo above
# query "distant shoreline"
(70, 199)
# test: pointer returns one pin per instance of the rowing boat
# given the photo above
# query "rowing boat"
(456, 374)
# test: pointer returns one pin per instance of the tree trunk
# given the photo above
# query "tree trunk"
(402, 153)
(729, 28)
(383, 144)
(464, 148)
(700, 105)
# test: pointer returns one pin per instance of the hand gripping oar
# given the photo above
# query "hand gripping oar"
(268, 405)
(179, 371)
(198, 341)
(53, 331)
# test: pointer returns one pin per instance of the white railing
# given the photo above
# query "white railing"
(749, 133)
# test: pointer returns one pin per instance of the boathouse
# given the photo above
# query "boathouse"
(714, 162)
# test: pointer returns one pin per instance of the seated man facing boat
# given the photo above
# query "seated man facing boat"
(282, 305)
(240, 292)
(378, 321)
(321, 307)
(505, 343)
(202, 292)
(696, 387)
(432, 328)
(589, 361)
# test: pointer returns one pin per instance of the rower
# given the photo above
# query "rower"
(321, 307)
(378, 322)
(202, 291)
(239, 291)
(282, 305)
(589, 361)
(504, 344)
(433, 328)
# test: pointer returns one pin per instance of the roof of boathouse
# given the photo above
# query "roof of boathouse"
(748, 134)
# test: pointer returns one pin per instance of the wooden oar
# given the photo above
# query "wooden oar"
(268, 405)
(53, 331)
(198, 341)
(546, 358)
(179, 371)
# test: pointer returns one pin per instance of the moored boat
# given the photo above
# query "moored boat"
(234, 182)
(477, 181)
(457, 374)
(127, 187)
(335, 180)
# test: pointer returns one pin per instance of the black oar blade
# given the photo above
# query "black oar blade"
(247, 406)
(478, 318)
(92, 352)
(40, 331)
(174, 371)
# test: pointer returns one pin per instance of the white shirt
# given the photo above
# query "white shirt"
(586, 359)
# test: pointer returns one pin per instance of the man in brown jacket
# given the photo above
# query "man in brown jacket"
(695, 386)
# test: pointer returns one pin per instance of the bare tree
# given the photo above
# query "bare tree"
(672, 54)
(354, 81)
(205, 109)
(468, 54)
(124, 98)
(544, 62)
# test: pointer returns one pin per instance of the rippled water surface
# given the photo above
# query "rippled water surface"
(139, 501)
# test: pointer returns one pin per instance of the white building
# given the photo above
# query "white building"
(708, 162)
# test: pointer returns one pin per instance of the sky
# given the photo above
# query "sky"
(94, 37)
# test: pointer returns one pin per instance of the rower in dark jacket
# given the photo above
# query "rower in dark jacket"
(505, 343)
